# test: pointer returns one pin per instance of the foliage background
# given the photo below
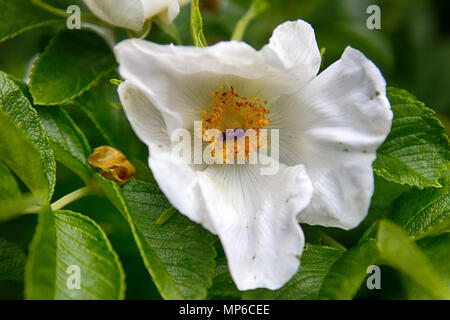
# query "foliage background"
(412, 49)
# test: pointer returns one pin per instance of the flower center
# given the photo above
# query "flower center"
(245, 116)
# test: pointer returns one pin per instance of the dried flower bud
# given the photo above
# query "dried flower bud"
(113, 163)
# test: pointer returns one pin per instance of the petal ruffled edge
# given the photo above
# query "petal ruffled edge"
(333, 126)
(254, 217)
(293, 48)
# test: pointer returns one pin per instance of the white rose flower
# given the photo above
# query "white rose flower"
(132, 14)
(330, 126)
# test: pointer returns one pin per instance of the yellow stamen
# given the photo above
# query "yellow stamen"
(230, 110)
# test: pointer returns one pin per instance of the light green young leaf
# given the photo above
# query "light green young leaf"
(416, 152)
(437, 250)
(257, 8)
(198, 37)
(424, 212)
(348, 272)
(68, 141)
(10, 209)
(178, 254)
(19, 151)
(70, 65)
(9, 189)
(401, 253)
(40, 268)
(18, 16)
(66, 242)
(11, 201)
(305, 284)
(12, 261)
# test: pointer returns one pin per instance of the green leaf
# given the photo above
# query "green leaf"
(257, 7)
(305, 284)
(12, 261)
(68, 142)
(11, 201)
(11, 209)
(22, 86)
(198, 37)
(386, 192)
(178, 254)
(348, 272)
(166, 215)
(102, 106)
(437, 250)
(143, 172)
(40, 269)
(70, 65)
(401, 253)
(64, 239)
(19, 151)
(423, 212)
(18, 16)
(416, 152)
(9, 189)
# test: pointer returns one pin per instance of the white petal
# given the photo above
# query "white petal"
(146, 120)
(172, 11)
(179, 80)
(333, 126)
(126, 14)
(293, 47)
(175, 178)
(254, 216)
(167, 9)
(180, 184)
(232, 58)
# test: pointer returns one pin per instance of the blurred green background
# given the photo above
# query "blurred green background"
(412, 49)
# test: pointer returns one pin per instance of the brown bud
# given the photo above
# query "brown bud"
(113, 163)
